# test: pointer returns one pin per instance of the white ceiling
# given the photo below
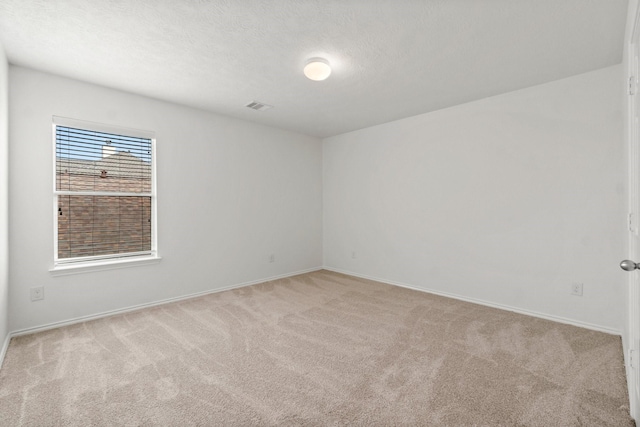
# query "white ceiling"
(391, 58)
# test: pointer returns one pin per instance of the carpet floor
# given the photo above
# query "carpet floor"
(317, 349)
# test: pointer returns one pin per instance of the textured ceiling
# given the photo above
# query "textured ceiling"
(390, 58)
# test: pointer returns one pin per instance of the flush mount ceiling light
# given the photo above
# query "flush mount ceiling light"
(317, 69)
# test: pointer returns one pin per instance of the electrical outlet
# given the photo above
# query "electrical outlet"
(576, 289)
(37, 293)
(272, 258)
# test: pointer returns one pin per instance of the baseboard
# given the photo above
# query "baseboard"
(483, 302)
(254, 282)
(5, 347)
(129, 309)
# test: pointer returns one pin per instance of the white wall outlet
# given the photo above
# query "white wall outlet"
(576, 289)
(37, 293)
(272, 258)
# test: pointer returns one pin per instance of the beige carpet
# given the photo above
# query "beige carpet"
(316, 349)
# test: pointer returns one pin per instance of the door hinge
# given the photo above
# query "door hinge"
(632, 356)
(632, 85)
(631, 227)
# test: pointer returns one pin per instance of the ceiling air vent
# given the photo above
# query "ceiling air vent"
(258, 106)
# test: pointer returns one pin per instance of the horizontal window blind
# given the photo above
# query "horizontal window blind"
(98, 161)
(104, 194)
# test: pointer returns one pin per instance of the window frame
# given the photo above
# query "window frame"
(109, 261)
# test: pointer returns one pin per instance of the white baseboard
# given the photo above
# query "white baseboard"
(5, 347)
(146, 305)
(485, 303)
(53, 325)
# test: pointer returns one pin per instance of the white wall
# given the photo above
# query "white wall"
(508, 200)
(229, 194)
(4, 207)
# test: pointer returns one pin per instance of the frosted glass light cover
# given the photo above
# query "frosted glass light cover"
(317, 69)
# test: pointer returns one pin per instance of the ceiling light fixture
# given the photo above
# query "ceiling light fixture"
(317, 69)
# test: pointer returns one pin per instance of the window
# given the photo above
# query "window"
(104, 194)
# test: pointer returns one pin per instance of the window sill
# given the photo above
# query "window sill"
(91, 266)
